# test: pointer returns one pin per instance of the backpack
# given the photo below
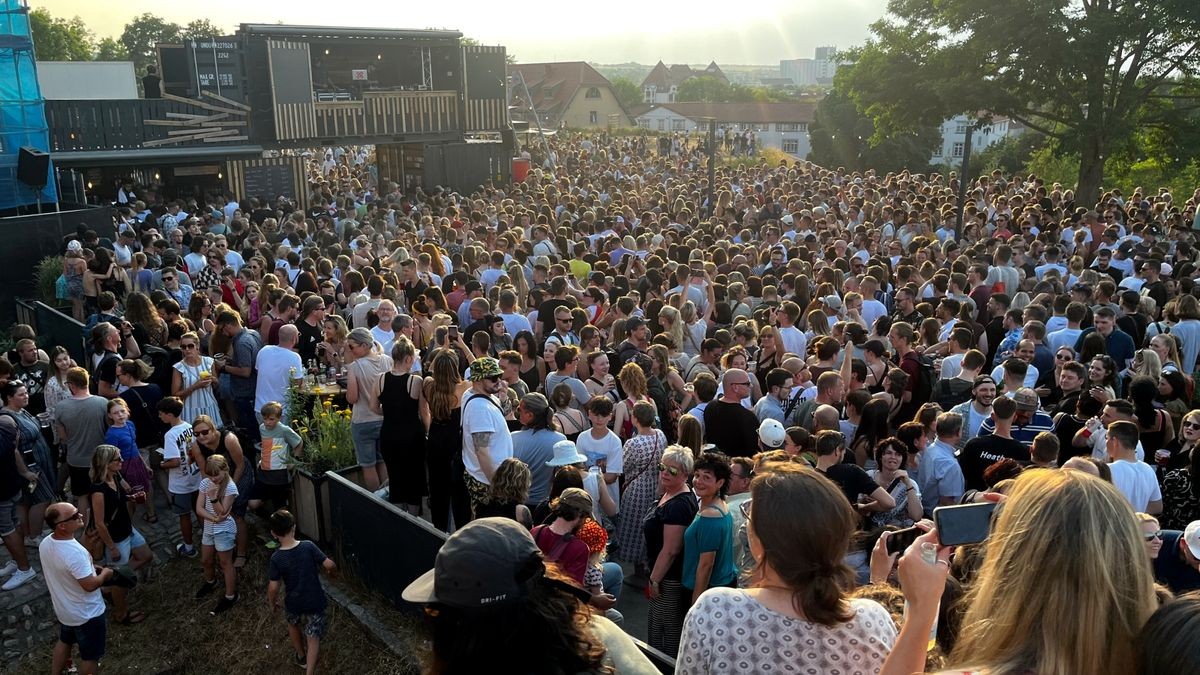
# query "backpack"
(950, 392)
(159, 360)
(922, 389)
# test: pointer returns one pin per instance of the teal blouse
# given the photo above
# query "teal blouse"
(709, 534)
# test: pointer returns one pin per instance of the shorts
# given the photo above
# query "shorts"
(314, 624)
(8, 515)
(90, 637)
(182, 505)
(366, 442)
(222, 541)
(280, 494)
(81, 481)
(125, 547)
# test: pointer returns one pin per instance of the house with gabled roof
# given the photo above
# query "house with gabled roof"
(569, 94)
(783, 126)
(662, 84)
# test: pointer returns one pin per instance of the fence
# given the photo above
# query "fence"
(53, 327)
(387, 548)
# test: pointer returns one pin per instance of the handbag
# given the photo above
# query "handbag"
(91, 539)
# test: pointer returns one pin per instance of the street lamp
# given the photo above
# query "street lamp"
(712, 162)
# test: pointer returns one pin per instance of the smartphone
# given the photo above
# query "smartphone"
(453, 332)
(963, 524)
(900, 540)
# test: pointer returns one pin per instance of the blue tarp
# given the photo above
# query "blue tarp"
(22, 112)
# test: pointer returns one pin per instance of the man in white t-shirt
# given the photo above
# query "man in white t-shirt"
(486, 440)
(793, 338)
(1135, 480)
(74, 584)
(278, 368)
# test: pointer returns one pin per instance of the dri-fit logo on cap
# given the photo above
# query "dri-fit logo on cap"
(494, 598)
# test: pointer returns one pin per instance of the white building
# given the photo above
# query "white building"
(954, 138)
(807, 72)
(663, 82)
(783, 126)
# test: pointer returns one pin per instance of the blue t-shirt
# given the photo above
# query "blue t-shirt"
(125, 438)
(299, 568)
(709, 534)
(1169, 568)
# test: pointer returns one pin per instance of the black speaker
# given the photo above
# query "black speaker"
(33, 167)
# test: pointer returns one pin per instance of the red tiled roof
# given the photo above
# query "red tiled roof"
(553, 85)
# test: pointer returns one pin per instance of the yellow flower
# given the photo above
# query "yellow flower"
(333, 447)
(327, 403)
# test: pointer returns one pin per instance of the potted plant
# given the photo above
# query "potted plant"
(328, 446)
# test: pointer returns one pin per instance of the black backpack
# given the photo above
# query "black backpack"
(951, 392)
(922, 389)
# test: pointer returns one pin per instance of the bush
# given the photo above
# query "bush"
(46, 276)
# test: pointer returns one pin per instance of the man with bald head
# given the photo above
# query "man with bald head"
(727, 423)
(825, 417)
(74, 584)
(278, 367)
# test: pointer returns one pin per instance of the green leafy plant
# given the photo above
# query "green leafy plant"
(328, 445)
(46, 275)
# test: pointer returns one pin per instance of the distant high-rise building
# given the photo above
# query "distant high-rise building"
(814, 71)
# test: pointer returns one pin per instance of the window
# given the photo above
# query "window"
(677, 125)
(593, 117)
(791, 146)
(662, 124)
(592, 92)
(643, 123)
(957, 150)
(792, 126)
(757, 127)
(960, 128)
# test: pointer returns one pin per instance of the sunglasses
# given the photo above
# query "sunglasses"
(78, 515)
(1191, 425)
(187, 346)
(168, 278)
(1062, 357)
(674, 471)
(1151, 536)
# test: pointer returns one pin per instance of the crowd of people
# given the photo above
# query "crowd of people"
(616, 375)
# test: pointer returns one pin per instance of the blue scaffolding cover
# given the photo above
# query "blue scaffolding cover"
(22, 111)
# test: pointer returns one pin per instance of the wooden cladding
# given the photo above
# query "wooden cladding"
(389, 114)
(291, 90)
(125, 124)
(486, 115)
(485, 89)
(237, 169)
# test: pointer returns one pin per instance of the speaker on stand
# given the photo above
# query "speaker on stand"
(33, 169)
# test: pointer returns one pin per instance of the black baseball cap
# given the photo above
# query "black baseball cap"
(486, 563)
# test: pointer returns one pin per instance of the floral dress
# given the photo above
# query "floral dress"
(1180, 505)
(641, 457)
(201, 401)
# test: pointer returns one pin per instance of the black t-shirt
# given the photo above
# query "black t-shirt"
(116, 515)
(106, 369)
(852, 480)
(1135, 326)
(310, 337)
(143, 412)
(731, 427)
(983, 451)
(679, 510)
(1169, 568)
(299, 568)
(412, 293)
(546, 314)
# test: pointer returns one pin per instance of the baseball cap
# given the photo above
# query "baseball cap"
(1026, 399)
(1191, 537)
(576, 498)
(486, 562)
(633, 323)
(832, 301)
(771, 433)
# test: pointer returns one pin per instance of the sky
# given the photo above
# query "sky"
(610, 31)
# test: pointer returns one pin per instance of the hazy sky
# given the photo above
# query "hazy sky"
(609, 31)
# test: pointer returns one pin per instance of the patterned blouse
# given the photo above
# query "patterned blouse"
(727, 631)
(1180, 505)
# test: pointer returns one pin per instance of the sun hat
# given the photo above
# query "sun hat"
(486, 562)
(566, 453)
(484, 368)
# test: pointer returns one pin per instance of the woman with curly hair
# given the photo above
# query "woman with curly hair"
(148, 327)
(508, 492)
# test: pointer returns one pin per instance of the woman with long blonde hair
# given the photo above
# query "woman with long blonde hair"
(443, 391)
(1064, 587)
(672, 325)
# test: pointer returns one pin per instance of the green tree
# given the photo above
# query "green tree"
(143, 33)
(108, 49)
(58, 39)
(841, 135)
(628, 93)
(200, 28)
(705, 88)
(1077, 72)
(1009, 155)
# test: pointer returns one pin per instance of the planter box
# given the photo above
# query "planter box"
(310, 502)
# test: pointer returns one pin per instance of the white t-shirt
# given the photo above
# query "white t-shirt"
(1136, 480)
(1098, 440)
(479, 416)
(1031, 375)
(227, 526)
(952, 366)
(65, 562)
(274, 374)
(613, 452)
(185, 478)
(793, 340)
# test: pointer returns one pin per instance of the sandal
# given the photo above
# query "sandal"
(131, 618)
(239, 562)
(149, 518)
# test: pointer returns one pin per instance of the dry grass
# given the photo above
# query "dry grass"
(179, 636)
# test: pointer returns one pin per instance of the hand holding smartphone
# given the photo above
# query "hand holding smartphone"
(963, 524)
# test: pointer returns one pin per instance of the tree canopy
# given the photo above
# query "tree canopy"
(58, 39)
(142, 33)
(1084, 73)
(628, 93)
(842, 136)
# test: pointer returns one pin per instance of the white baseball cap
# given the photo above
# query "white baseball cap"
(1191, 537)
(772, 434)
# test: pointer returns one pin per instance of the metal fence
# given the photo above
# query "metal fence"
(387, 549)
(53, 327)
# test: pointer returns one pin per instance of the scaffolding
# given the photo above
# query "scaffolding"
(22, 113)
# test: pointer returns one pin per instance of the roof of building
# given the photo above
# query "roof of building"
(664, 77)
(754, 113)
(553, 85)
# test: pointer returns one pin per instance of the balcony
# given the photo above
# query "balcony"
(90, 125)
(389, 113)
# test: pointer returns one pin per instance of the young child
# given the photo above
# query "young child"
(601, 446)
(123, 434)
(279, 445)
(213, 506)
(298, 565)
(593, 534)
(183, 472)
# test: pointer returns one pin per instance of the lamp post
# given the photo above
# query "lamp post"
(963, 172)
(712, 162)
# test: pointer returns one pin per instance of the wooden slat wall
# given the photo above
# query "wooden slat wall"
(236, 170)
(483, 114)
(293, 121)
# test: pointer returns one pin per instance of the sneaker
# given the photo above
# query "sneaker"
(224, 604)
(18, 579)
(186, 551)
(9, 568)
(300, 659)
(206, 588)
(34, 542)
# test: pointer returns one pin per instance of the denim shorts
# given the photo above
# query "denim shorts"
(8, 515)
(366, 442)
(312, 625)
(222, 541)
(125, 547)
(182, 505)
(90, 637)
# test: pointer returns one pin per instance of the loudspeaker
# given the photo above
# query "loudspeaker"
(33, 167)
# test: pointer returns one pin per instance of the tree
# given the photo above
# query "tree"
(1077, 72)
(841, 135)
(108, 49)
(143, 33)
(1010, 155)
(200, 28)
(705, 88)
(57, 39)
(628, 93)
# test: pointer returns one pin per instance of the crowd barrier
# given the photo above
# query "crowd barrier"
(53, 327)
